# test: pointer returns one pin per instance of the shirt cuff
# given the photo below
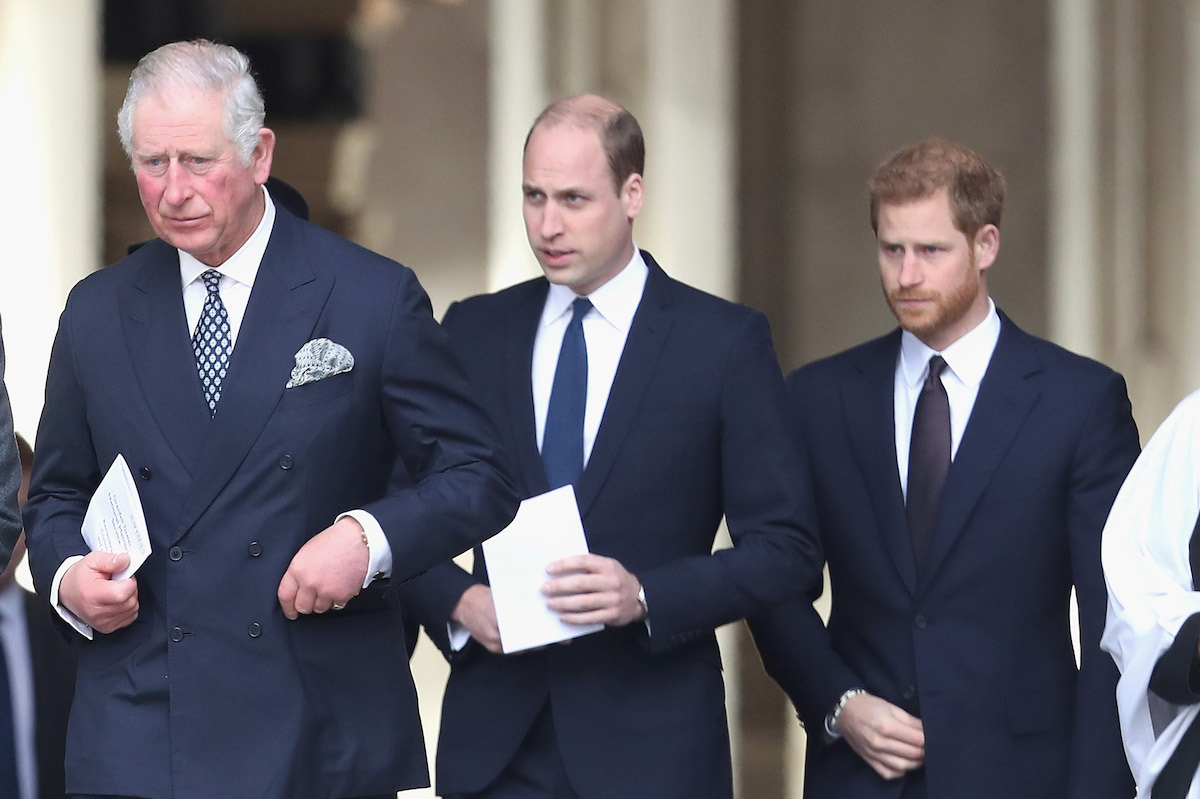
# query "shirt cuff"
(458, 636)
(379, 551)
(82, 627)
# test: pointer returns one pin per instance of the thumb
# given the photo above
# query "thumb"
(108, 562)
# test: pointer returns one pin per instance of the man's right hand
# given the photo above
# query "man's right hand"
(477, 613)
(890, 740)
(88, 590)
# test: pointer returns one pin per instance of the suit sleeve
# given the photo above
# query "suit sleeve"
(792, 639)
(1108, 448)
(461, 491)
(430, 598)
(766, 503)
(10, 475)
(65, 471)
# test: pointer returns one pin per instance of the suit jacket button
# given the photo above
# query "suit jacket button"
(920, 622)
(255, 549)
(909, 693)
(175, 553)
(144, 472)
(176, 634)
(285, 462)
(255, 630)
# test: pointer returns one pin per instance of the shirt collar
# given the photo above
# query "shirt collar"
(242, 266)
(967, 358)
(616, 301)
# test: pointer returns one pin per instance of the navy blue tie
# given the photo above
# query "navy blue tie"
(8, 739)
(562, 440)
(928, 458)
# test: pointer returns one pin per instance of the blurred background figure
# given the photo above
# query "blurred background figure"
(39, 662)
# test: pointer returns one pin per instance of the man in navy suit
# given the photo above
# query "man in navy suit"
(262, 379)
(685, 422)
(947, 669)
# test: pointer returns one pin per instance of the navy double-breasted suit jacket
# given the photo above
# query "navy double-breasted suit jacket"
(695, 429)
(212, 691)
(978, 643)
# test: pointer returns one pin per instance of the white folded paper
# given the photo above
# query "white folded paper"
(114, 521)
(546, 528)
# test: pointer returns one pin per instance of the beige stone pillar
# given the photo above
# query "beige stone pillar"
(518, 92)
(49, 210)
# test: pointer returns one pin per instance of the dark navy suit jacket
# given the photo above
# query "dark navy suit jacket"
(978, 645)
(695, 428)
(212, 691)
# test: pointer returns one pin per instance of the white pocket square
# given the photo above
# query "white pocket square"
(319, 359)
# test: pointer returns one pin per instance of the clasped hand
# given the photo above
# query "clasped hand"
(582, 589)
(889, 739)
(328, 570)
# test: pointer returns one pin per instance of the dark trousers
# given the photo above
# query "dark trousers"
(536, 770)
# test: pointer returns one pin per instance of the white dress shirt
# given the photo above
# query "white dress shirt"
(237, 280)
(14, 637)
(605, 328)
(966, 362)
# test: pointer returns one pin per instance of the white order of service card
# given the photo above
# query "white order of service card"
(546, 528)
(114, 521)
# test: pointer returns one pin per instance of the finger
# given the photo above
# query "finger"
(581, 602)
(600, 616)
(305, 599)
(573, 563)
(902, 732)
(572, 584)
(287, 595)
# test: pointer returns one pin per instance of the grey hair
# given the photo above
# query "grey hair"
(207, 66)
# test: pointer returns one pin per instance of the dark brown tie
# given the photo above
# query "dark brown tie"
(928, 458)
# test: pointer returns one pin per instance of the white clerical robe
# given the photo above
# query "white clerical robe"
(1150, 596)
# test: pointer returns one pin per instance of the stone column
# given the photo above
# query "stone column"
(49, 210)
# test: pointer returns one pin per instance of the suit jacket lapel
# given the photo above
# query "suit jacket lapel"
(869, 405)
(518, 370)
(160, 349)
(647, 335)
(285, 304)
(1005, 399)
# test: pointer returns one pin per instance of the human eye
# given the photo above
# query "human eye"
(152, 164)
(534, 196)
(198, 164)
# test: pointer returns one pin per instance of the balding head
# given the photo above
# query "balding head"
(619, 132)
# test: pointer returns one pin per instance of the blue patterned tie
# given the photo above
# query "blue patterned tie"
(212, 341)
(562, 440)
(8, 738)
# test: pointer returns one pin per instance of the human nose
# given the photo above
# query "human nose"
(178, 184)
(550, 222)
(910, 270)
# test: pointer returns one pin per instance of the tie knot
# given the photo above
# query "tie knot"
(580, 307)
(212, 280)
(936, 366)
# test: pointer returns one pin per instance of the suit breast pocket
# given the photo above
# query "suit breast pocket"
(318, 392)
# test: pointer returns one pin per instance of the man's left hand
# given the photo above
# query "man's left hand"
(592, 589)
(329, 570)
